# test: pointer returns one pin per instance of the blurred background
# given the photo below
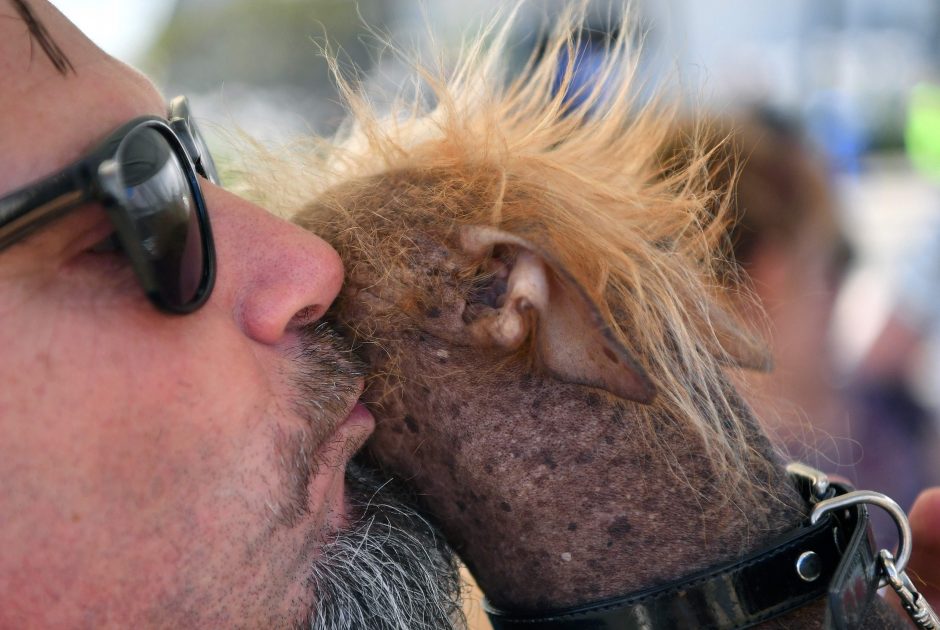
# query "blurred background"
(855, 82)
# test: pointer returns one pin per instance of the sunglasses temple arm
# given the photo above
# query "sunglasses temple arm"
(29, 208)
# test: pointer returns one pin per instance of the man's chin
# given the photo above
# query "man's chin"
(390, 568)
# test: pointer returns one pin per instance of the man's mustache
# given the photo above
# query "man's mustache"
(327, 380)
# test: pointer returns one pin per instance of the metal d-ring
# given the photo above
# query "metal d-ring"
(886, 503)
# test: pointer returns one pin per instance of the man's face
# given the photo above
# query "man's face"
(157, 470)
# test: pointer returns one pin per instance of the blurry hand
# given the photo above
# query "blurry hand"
(924, 567)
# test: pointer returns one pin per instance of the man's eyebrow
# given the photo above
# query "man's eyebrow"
(39, 33)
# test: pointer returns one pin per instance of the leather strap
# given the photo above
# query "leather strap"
(856, 580)
(741, 593)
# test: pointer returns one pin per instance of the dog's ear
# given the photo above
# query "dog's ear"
(529, 293)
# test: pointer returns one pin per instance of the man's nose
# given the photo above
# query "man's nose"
(275, 275)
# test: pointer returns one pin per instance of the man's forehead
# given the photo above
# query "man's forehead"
(43, 45)
(49, 118)
(37, 41)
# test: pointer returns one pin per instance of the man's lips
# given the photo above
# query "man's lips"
(361, 416)
(350, 415)
(328, 483)
(348, 436)
(358, 418)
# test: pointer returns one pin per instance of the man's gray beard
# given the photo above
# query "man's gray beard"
(390, 569)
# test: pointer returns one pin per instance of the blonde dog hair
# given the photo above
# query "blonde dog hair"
(586, 180)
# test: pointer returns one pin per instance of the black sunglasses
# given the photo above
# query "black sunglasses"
(145, 174)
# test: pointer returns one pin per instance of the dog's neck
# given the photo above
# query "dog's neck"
(552, 499)
(551, 494)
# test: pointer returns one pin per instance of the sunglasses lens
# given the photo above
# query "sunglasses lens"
(163, 216)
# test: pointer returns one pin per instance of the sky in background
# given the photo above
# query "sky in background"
(123, 28)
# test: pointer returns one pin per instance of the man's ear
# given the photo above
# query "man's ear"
(536, 296)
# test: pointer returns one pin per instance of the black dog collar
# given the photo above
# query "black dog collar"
(835, 556)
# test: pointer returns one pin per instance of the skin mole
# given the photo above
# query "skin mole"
(620, 527)
(618, 415)
(546, 458)
(593, 400)
(584, 457)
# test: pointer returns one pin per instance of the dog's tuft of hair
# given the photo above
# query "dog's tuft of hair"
(583, 178)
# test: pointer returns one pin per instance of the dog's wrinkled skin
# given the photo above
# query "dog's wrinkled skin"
(535, 295)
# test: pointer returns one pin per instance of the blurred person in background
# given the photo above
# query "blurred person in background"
(902, 346)
(786, 238)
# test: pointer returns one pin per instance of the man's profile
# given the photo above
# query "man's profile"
(166, 469)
